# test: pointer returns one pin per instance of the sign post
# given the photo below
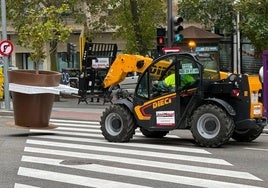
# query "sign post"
(5, 49)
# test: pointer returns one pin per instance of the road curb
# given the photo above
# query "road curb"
(6, 113)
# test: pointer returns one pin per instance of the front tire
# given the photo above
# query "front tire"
(247, 135)
(211, 126)
(117, 124)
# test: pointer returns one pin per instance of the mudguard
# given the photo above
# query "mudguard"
(224, 104)
(125, 102)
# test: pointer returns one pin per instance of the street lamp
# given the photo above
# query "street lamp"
(192, 44)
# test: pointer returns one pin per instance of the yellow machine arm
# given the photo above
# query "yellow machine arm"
(124, 64)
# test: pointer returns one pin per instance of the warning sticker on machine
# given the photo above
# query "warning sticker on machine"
(165, 118)
(257, 110)
(100, 63)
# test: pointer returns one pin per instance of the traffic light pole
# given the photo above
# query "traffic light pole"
(6, 65)
(169, 25)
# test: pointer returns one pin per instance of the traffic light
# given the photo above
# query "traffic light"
(71, 48)
(177, 28)
(160, 41)
(71, 51)
(161, 38)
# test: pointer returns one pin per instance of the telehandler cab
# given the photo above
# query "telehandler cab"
(217, 106)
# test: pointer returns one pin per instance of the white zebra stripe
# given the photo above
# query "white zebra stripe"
(149, 163)
(128, 151)
(19, 185)
(139, 174)
(92, 126)
(130, 144)
(74, 121)
(73, 179)
(79, 129)
(66, 133)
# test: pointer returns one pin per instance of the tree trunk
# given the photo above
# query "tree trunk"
(142, 48)
(53, 55)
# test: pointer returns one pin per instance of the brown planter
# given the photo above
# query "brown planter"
(33, 110)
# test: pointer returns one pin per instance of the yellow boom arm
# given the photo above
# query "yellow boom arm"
(124, 64)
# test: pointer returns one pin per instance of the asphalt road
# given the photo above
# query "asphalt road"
(74, 154)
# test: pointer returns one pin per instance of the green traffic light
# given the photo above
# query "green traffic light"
(178, 37)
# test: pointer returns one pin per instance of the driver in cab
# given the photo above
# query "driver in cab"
(168, 84)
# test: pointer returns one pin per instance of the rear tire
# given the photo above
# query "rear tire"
(247, 135)
(153, 134)
(117, 124)
(211, 126)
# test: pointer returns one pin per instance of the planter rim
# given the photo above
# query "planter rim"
(29, 77)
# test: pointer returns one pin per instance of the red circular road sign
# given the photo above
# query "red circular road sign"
(6, 47)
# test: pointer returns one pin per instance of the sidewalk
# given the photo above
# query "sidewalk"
(68, 108)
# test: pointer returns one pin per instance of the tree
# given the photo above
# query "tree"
(254, 23)
(18, 15)
(222, 14)
(136, 21)
(212, 14)
(41, 26)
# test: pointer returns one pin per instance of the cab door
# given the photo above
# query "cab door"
(159, 109)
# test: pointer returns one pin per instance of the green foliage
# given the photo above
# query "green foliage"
(209, 13)
(136, 22)
(254, 22)
(222, 14)
(42, 25)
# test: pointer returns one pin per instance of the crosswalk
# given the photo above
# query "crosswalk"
(75, 154)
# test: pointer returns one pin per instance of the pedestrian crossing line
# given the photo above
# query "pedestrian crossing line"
(130, 144)
(74, 133)
(148, 163)
(97, 127)
(257, 149)
(79, 129)
(138, 174)
(92, 126)
(74, 121)
(128, 151)
(19, 185)
(56, 131)
(73, 179)
(93, 129)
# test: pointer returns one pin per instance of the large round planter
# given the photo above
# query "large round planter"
(33, 110)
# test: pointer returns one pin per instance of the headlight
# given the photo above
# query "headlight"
(261, 74)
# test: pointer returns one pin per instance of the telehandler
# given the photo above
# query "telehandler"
(216, 106)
